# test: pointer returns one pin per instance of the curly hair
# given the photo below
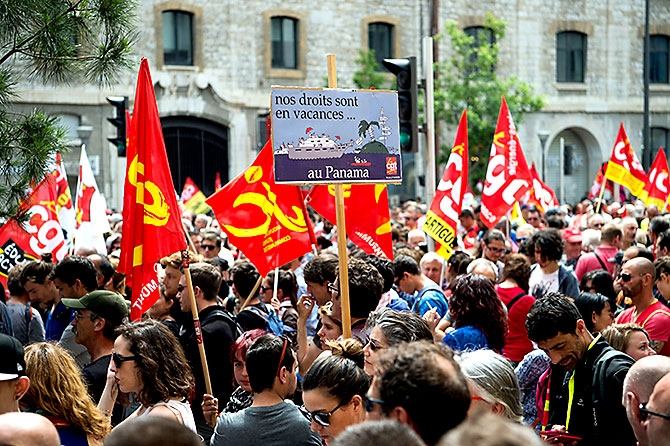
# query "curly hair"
(161, 362)
(321, 269)
(474, 301)
(365, 287)
(517, 268)
(549, 242)
(57, 388)
(550, 316)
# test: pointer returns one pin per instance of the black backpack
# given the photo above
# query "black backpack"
(223, 315)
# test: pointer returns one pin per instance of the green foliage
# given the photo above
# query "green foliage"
(468, 80)
(56, 42)
(369, 76)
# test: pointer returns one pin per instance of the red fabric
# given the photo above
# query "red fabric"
(624, 167)
(442, 218)
(508, 177)
(542, 195)
(266, 221)
(152, 226)
(366, 214)
(517, 343)
(655, 319)
(15, 244)
(656, 189)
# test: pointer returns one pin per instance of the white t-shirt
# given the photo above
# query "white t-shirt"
(547, 282)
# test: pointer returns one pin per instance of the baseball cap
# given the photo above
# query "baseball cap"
(572, 235)
(12, 364)
(106, 304)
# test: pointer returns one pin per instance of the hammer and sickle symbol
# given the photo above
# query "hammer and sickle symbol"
(157, 211)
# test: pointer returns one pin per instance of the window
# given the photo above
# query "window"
(481, 35)
(659, 138)
(284, 36)
(658, 59)
(380, 39)
(570, 56)
(177, 38)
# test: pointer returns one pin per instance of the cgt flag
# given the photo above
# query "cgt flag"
(369, 230)
(542, 195)
(193, 198)
(624, 167)
(91, 212)
(442, 218)
(656, 188)
(66, 212)
(151, 219)
(508, 178)
(266, 221)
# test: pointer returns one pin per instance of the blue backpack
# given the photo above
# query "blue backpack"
(273, 324)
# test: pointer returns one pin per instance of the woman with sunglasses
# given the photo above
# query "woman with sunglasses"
(57, 391)
(149, 363)
(333, 392)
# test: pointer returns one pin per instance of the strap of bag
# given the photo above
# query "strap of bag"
(516, 298)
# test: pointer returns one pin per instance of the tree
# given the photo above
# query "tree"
(58, 42)
(369, 75)
(468, 80)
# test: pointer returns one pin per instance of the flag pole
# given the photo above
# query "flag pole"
(602, 191)
(253, 292)
(191, 246)
(185, 262)
(341, 227)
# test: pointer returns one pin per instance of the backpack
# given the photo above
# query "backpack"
(272, 322)
(222, 315)
(6, 326)
(602, 364)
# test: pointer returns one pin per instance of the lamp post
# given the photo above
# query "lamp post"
(543, 135)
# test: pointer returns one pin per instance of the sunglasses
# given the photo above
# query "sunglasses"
(374, 346)
(118, 359)
(369, 403)
(321, 418)
(332, 288)
(208, 247)
(645, 413)
(626, 277)
(598, 225)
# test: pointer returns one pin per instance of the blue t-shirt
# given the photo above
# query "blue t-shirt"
(57, 322)
(430, 297)
(466, 339)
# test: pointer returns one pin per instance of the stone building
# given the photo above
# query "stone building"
(213, 64)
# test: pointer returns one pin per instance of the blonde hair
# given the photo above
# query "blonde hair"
(618, 335)
(57, 388)
(349, 349)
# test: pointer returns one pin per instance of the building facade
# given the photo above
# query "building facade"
(213, 64)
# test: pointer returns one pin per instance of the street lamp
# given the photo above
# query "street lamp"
(543, 135)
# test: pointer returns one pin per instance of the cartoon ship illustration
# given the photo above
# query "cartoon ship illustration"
(316, 147)
(360, 162)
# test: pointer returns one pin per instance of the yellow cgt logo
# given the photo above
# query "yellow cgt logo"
(156, 211)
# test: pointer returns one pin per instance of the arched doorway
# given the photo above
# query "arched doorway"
(581, 158)
(196, 148)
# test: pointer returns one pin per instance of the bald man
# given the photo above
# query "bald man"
(656, 413)
(637, 387)
(636, 281)
(27, 429)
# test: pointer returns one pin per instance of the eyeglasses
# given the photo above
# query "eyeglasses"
(180, 288)
(374, 346)
(499, 250)
(207, 247)
(598, 225)
(627, 277)
(645, 413)
(332, 288)
(118, 359)
(322, 418)
(78, 315)
(369, 403)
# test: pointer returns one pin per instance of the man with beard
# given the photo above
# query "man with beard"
(586, 402)
(636, 281)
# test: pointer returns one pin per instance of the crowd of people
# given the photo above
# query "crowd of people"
(551, 327)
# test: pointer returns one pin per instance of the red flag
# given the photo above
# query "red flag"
(656, 189)
(542, 195)
(15, 248)
(266, 221)
(151, 222)
(46, 234)
(369, 230)
(442, 218)
(217, 182)
(507, 176)
(193, 198)
(624, 167)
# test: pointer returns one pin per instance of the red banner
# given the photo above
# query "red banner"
(266, 221)
(624, 167)
(366, 214)
(656, 188)
(542, 195)
(508, 178)
(442, 218)
(15, 248)
(152, 225)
